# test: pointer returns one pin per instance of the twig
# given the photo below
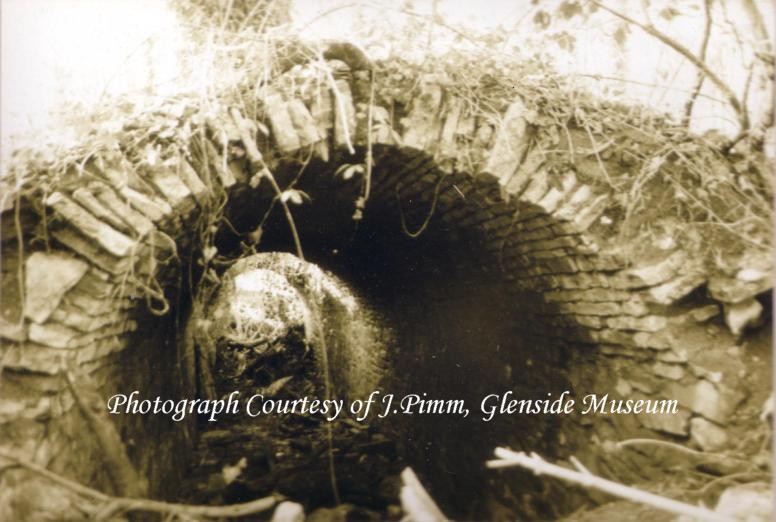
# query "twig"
(340, 103)
(416, 501)
(508, 458)
(426, 221)
(114, 505)
(743, 117)
(257, 164)
(702, 57)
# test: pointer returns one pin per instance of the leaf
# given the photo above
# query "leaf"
(348, 170)
(669, 13)
(565, 41)
(273, 389)
(621, 34)
(209, 253)
(570, 9)
(294, 196)
(542, 19)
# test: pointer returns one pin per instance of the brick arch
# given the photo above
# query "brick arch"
(536, 231)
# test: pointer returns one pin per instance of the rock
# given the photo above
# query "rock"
(704, 313)
(623, 387)
(510, 143)
(675, 289)
(673, 423)
(282, 126)
(648, 323)
(729, 290)
(47, 278)
(668, 371)
(288, 512)
(651, 275)
(173, 189)
(303, 122)
(739, 316)
(707, 435)
(110, 239)
(751, 502)
(716, 403)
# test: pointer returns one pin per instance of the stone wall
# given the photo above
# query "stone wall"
(659, 324)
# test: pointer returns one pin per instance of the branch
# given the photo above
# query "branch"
(114, 505)
(743, 117)
(416, 501)
(540, 466)
(126, 481)
(258, 165)
(702, 57)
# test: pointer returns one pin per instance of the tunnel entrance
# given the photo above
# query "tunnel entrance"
(490, 270)
(312, 337)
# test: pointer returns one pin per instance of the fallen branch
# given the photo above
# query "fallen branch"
(127, 482)
(416, 501)
(508, 458)
(112, 506)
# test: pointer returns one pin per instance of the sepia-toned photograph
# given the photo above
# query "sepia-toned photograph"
(386, 260)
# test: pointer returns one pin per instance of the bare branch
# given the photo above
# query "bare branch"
(702, 57)
(540, 466)
(116, 505)
(743, 117)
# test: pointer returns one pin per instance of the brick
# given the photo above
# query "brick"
(716, 403)
(448, 144)
(635, 306)
(509, 144)
(591, 212)
(153, 208)
(575, 203)
(173, 189)
(303, 123)
(54, 335)
(282, 127)
(648, 323)
(136, 221)
(733, 290)
(672, 291)
(532, 163)
(739, 316)
(85, 247)
(191, 179)
(550, 201)
(84, 322)
(602, 308)
(651, 275)
(113, 241)
(86, 199)
(537, 188)
(35, 358)
(345, 115)
(673, 372)
(671, 423)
